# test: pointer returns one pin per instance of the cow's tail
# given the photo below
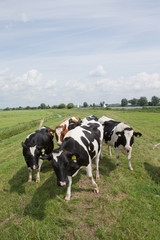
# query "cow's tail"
(155, 146)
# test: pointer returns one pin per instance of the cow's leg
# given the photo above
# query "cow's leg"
(117, 156)
(68, 193)
(97, 164)
(89, 174)
(129, 160)
(109, 151)
(38, 170)
(30, 174)
(101, 155)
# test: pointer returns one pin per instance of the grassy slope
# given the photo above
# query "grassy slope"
(127, 206)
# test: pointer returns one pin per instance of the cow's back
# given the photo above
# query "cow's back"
(84, 139)
(109, 128)
(41, 138)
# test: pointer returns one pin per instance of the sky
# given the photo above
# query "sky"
(76, 51)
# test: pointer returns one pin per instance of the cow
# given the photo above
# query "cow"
(37, 144)
(62, 129)
(89, 118)
(73, 124)
(121, 137)
(102, 120)
(79, 147)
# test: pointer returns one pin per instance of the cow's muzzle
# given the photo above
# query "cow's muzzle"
(34, 167)
(128, 148)
(62, 184)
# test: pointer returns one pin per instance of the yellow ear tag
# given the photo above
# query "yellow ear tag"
(43, 150)
(51, 132)
(138, 135)
(74, 157)
(119, 135)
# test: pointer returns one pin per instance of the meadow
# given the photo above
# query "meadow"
(127, 206)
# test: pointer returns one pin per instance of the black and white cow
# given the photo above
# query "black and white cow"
(37, 144)
(79, 147)
(73, 124)
(121, 137)
(102, 120)
(89, 118)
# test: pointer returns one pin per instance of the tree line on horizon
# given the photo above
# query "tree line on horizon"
(142, 101)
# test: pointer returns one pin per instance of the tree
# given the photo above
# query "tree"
(85, 104)
(143, 101)
(70, 105)
(102, 104)
(124, 102)
(62, 105)
(133, 101)
(155, 101)
(42, 106)
(54, 106)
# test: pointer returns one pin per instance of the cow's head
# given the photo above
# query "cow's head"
(60, 132)
(126, 138)
(60, 165)
(74, 123)
(63, 165)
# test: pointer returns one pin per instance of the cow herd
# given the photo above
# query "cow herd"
(79, 141)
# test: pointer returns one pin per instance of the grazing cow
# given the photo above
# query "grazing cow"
(121, 136)
(79, 147)
(63, 128)
(37, 144)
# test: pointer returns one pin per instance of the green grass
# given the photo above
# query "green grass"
(127, 206)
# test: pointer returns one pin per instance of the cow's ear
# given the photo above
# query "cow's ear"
(137, 134)
(119, 134)
(67, 153)
(65, 131)
(51, 131)
(64, 127)
(48, 157)
(41, 149)
(23, 145)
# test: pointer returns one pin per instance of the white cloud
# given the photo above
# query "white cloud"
(32, 78)
(141, 81)
(24, 17)
(98, 72)
(144, 80)
(50, 84)
(31, 81)
(31, 88)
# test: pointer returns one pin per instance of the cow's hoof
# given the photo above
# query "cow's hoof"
(97, 178)
(117, 165)
(67, 199)
(29, 180)
(131, 168)
(37, 180)
(96, 190)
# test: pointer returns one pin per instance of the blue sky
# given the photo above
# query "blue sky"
(66, 51)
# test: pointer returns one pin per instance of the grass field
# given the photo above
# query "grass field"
(127, 206)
